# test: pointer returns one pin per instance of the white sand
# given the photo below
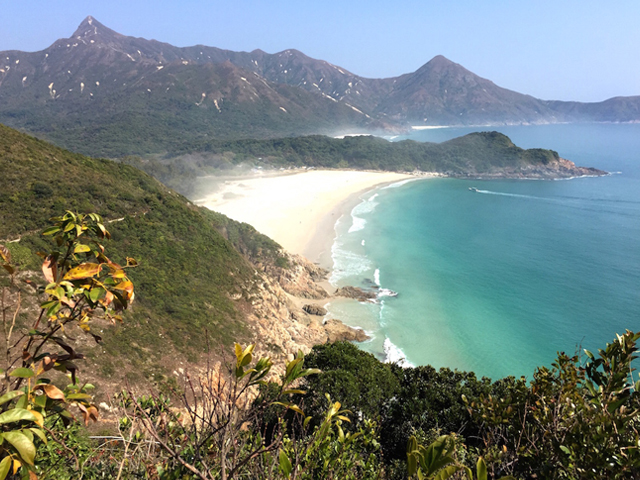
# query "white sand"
(299, 210)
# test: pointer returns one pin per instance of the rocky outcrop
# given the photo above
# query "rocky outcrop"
(560, 168)
(299, 277)
(356, 293)
(281, 328)
(338, 332)
(313, 309)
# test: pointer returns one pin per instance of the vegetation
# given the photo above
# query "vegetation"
(81, 283)
(192, 261)
(472, 154)
(348, 416)
(338, 413)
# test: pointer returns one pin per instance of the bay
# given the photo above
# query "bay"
(498, 281)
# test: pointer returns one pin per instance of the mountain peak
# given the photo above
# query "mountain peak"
(90, 27)
(440, 61)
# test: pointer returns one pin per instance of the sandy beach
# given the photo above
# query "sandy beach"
(297, 210)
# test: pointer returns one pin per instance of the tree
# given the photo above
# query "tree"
(576, 420)
(81, 283)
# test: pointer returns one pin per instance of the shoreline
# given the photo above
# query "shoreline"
(298, 210)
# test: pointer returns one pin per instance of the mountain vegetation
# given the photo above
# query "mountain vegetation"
(195, 285)
(105, 94)
(484, 154)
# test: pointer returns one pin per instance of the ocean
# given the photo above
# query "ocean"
(500, 280)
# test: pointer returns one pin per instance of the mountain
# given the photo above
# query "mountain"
(103, 93)
(444, 93)
(99, 90)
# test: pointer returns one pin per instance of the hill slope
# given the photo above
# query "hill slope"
(194, 288)
(483, 154)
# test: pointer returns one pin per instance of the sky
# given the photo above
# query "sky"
(554, 50)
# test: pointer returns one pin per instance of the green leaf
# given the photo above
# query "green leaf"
(565, 449)
(285, 463)
(5, 465)
(22, 372)
(22, 444)
(96, 293)
(23, 401)
(7, 397)
(481, 468)
(447, 472)
(51, 230)
(16, 415)
(613, 406)
(39, 433)
(412, 464)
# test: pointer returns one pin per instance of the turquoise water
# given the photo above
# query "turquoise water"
(498, 281)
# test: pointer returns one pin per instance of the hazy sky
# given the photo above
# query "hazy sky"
(558, 49)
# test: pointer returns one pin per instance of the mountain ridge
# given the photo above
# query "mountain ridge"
(101, 85)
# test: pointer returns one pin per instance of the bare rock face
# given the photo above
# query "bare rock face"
(299, 277)
(338, 331)
(312, 309)
(355, 292)
(277, 326)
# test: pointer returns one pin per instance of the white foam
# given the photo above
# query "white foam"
(386, 292)
(376, 276)
(362, 243)
(347, 263)
(395, 354)
(400, 183)
(367, 206)
(364, 207)
(357, 225)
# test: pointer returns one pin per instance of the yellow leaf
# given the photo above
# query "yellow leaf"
(84, 270)
(39, 418)
(6, 254)
(119, 274)
(16, 465)
(53, 392)
(126, 286)
(81, 248)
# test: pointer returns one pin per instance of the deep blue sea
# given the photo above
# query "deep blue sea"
(500, 280)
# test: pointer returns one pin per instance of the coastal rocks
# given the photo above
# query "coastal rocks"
(558, 168)
(355, 292)
(299, 277)
(339, 332)
(312, 309)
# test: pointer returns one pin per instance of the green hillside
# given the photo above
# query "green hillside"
(475, 154)
(188, 271)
